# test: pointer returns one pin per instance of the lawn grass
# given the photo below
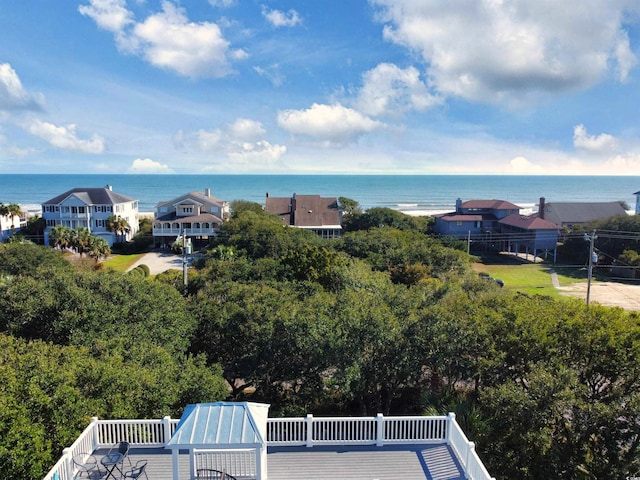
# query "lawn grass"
(526, 277)
(121, 263)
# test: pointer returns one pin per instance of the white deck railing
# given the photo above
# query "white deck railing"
(306, 431)
(242, 462)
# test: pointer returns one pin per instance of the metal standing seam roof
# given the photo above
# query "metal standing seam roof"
(217, 424)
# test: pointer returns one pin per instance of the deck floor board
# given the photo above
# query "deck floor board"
(407, 462)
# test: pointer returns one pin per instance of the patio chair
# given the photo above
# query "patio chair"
(137, 471)
(86, 463)
(211, 474)
(122, 448)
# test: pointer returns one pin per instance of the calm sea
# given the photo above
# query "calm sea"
(419, 194)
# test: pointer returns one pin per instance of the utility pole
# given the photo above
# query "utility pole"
(185, 280)
(591, 239)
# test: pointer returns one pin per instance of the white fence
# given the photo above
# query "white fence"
(306, 431)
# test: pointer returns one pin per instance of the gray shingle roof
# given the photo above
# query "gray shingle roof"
(92, 196)
(580, 212)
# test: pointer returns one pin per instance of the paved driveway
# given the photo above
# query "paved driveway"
(159, 262)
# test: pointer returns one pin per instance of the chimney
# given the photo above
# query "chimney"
(541, 208)
(267, 194)
(458, 205)
(207, 192)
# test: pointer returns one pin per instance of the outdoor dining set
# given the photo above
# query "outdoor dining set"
(111, 465)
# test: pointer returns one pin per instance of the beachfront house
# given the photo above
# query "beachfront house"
(570, 214)
(195, 215)
(90, 208)
(239, 439)
(9, 224)
(311, 212)
(474, 218)
(529, 234)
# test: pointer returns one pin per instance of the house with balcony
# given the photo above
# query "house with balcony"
(239, 440)
(195, 215)
(311, 212)
(90, 208)
(474, 218)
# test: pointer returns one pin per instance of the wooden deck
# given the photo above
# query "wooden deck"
(406, 462)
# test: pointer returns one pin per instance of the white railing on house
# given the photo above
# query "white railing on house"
(465, 451)
(242, 462)
(306, 431)
(189, 232)
(378, 430)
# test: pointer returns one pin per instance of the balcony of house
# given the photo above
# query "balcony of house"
(202, 225)
(310, 448)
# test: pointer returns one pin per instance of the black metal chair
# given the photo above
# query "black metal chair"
(211, 474)
(86, 463)
(137, 471)
(123, 449)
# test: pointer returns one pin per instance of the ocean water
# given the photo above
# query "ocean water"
(418, 194)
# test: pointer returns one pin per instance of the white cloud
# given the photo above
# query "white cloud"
(13, 96)
(498, 51)
(593, 143)
(167, 39)
(111, 15)
(246, 129)
(222, 3)
(147, 165)
(278, 18)
(271, 73)
(628, 163)
(388, 89)
(241, 141)
(523, 166)
(65, 137)
(334, 124)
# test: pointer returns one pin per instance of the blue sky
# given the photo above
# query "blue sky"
(348, 86)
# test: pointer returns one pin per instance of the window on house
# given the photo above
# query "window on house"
(459, 223)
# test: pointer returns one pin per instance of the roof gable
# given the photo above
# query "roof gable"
(196, 197)
(92, 196)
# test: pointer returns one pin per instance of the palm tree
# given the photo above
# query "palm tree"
(12, 210)
(117, 225)
(81, 239)
(60, 237)
(98, 248)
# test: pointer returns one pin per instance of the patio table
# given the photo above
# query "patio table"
(110, 462)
